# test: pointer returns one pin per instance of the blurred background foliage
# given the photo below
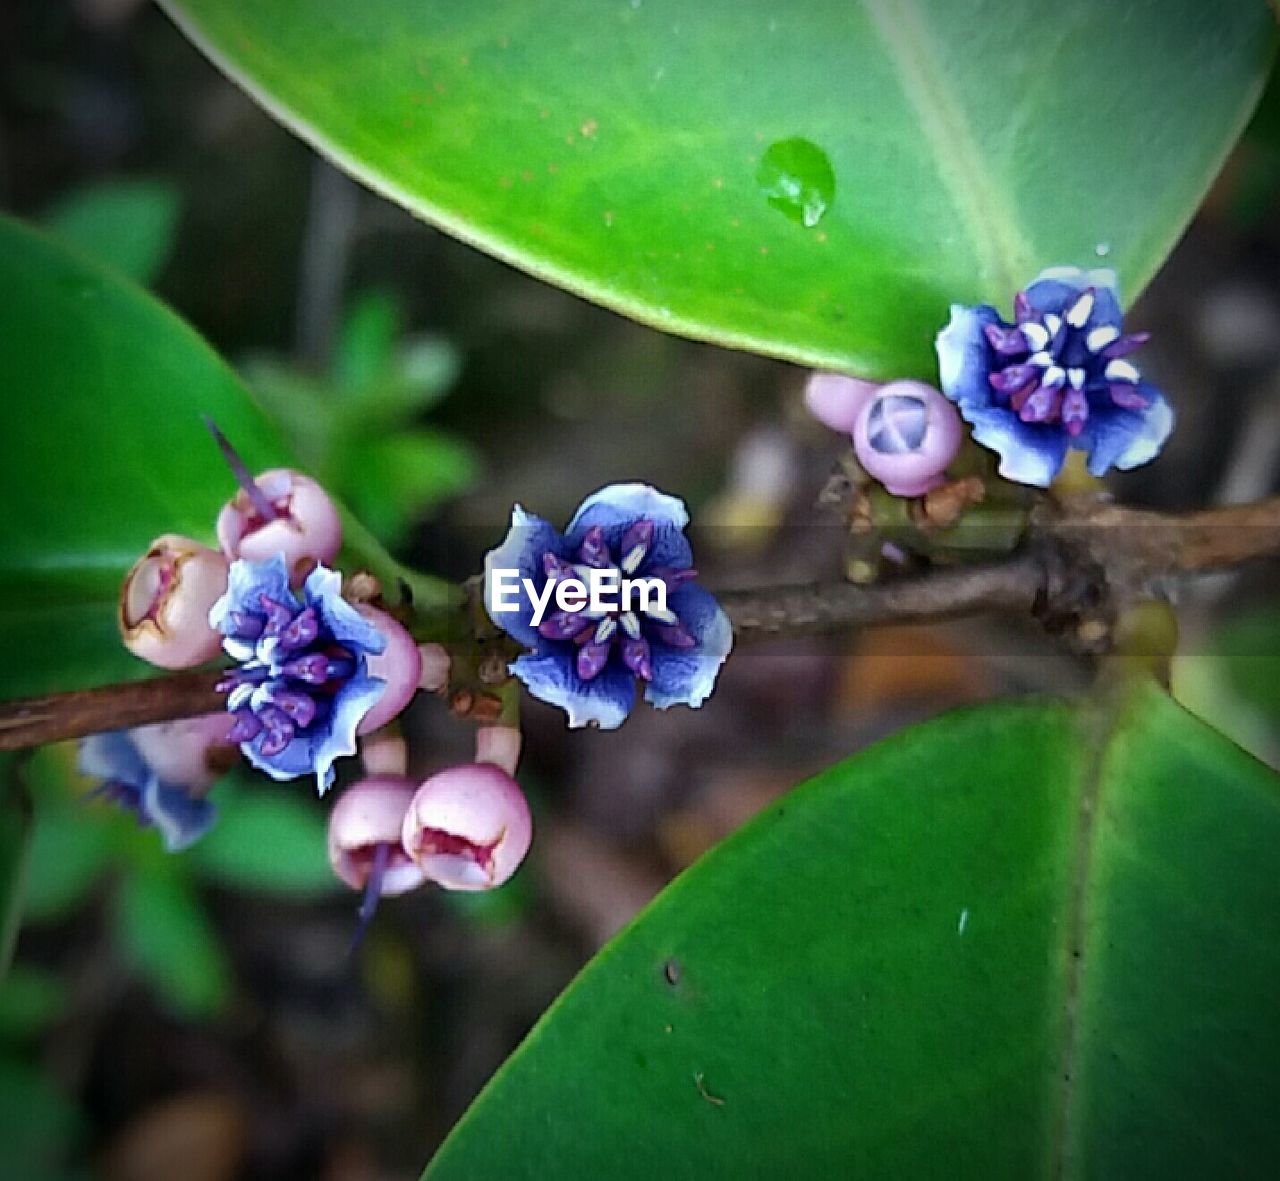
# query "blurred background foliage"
(198, 1015)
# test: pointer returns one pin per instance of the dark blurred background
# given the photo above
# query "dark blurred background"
(199, 1016)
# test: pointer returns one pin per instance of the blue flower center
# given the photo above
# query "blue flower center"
(1060, 366)
(630, 631)
(291, 671)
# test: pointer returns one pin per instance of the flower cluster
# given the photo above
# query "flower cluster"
(589, 661)
(1057, 378)
(303, 685)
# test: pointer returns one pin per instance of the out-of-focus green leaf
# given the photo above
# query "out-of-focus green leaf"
(817, 180)
(1250, 646)
(38, 1124)
(1024, 940)
(267, 838)
(127, 224)
(394, 478)
(366, 341)
(165, 935)
(15, 846)
(101, 392)
(31, 999)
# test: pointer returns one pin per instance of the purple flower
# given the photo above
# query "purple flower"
(589, 662)
(1056, 378)
(303, 684)
(129, 781)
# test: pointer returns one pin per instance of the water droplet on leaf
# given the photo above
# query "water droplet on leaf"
(798, 180)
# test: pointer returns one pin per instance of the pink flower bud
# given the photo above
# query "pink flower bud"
(165, 602)
(499, 745)
(189, 753)
(306, 528)
(399, 664)
(906, 435)
(364, 829)
(436, 662)
(468, 827)
(837, 400)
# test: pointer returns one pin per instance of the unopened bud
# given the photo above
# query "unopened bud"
(165, 602)
(468, 827)
(906, 436)
(369, 816)
(303, 526)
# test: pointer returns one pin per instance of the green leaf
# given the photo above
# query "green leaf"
(127, 224)
(366, 340)
(267, 838)
(38, 1123)
(31, 999)
(165, 935)
(818, 180)
(1250, 646)
(101, 392)
(15, 850)
(1024, 940)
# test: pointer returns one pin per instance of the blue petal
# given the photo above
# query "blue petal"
(113, 758)
(618, 506)
(964, 356)
(521, 550)
(247, 582)
(1056, 287)
(180, 819)
(686, 676)
(1127, 439)
(1030, 453)
(323, 591)
(552, 677)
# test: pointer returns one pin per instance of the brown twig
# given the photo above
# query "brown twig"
(1083, 552)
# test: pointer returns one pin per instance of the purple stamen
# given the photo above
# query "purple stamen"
(564, 625)
(302, 631)
(1022, 309)
(676, 635)
(372, 892)
(1042, 406)
(672, 577)
(592, 658)
(1006, 341)
(246, 626)
(635, 545)
(299, 706)
(636, 656)
(261, 502)
(278, 615)
(1075, 411)
(1126, 396)
(555, 566)
(1013, 378)
(594, 550)
(1126, 345)
(246, 727)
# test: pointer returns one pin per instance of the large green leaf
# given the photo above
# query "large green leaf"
(101, 392)
(817, 179)
(1021, 941)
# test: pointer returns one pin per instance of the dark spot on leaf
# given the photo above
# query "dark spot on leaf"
(671, 972)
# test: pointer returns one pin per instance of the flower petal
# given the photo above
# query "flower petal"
(1030, 453)
(323, 591)
(1126, 439)
(247, 582)
(617, 507)
(686, 676)
(180, 819)
(1056, 287)
(112, 757)
(964, 355)
(527, 540)
(603, 701)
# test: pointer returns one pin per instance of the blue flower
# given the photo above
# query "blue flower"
(127, 780)
(1056, 378)
(589, 663)
(303, 684)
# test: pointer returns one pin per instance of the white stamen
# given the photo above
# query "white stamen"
(1076, 378)
(631, 561)
(1053, 323)
(1053, 377)
(630, 624)
(1078, 313)
(1121, 371)
(239, 696)
(1043, 359)
(1037, 335)
(661, 614)
(1099, 338)
(605, 630)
